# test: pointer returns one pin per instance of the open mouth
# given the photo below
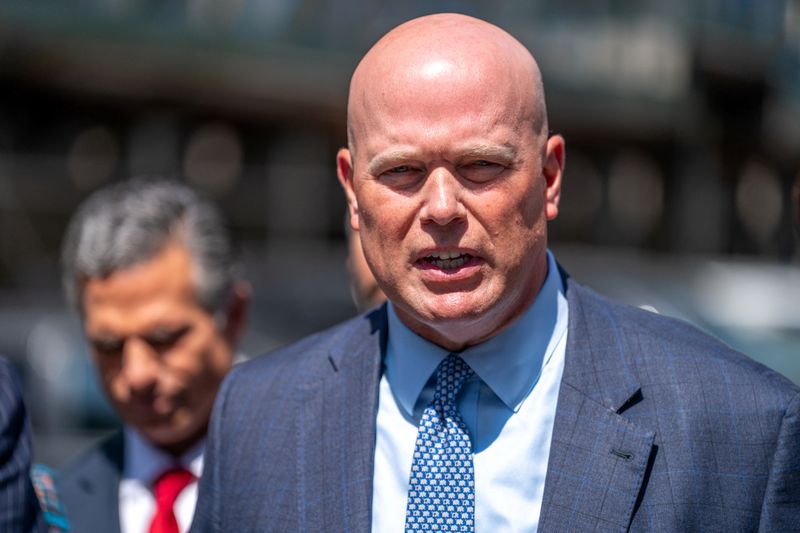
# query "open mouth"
(447, 261)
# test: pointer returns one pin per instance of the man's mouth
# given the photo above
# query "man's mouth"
(447, 260)
(155, 407)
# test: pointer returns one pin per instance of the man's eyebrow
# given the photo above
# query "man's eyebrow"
(106, 342)
(477, 151)
(103, 336)
(489, 151)
(378, 163)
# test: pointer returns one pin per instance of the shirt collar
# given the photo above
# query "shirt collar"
(510, 363)
(144, 462)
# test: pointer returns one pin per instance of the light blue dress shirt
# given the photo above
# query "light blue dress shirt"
(508, 407)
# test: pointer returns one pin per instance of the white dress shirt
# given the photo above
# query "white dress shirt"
(508, 407)
(143, 464)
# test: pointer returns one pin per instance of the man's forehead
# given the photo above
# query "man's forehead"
(450, 97)
(461, 111)
(406, 67)
(415, 70)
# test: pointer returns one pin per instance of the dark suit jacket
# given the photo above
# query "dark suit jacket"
(89, 488)
(19, 508)
(658, 427)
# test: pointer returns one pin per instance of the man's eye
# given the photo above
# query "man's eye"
(401, 176)
(481, 170)
(107, 347)
(165, 339)
(484, 164)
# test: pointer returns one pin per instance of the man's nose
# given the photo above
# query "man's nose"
(140, 365)
(442, 197)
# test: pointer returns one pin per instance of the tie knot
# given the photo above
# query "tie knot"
(170, 484)
(450, 376)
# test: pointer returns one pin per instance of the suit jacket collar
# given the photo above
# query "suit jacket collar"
(598, 459)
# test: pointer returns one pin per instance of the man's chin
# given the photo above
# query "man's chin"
(450, 326)
(174, 444)
(454, 310)
(159, 433)
(163, 432)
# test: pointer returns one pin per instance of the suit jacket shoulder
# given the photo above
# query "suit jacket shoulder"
(651, 347)
(89, 487)
(668, 427)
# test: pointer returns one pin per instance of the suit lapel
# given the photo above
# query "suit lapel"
(336, 438)
(598, 458)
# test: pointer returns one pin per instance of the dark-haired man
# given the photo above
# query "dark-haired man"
(149, 267)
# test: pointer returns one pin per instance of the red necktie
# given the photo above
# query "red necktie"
(167, 488)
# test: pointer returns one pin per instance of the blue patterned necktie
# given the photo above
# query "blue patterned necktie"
(441, 493)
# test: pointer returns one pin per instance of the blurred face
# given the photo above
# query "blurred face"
(364, 288)
(159, 355)
(450, 187)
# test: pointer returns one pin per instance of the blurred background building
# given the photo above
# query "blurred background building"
(682, 122)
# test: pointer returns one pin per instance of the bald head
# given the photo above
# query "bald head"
(450, 175)
(431, 56)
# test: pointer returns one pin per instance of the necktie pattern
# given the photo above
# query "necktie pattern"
(167, 488)
(441, 494)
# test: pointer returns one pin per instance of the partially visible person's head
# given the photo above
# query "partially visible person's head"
(149, 267)
(451, 176)
(796, 202)
(364, 289)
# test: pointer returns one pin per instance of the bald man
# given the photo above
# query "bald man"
(492, 392)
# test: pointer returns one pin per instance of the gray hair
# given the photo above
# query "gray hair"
(128, 223)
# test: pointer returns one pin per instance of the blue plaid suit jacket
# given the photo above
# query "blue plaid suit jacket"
(19, 508)
(658, 427)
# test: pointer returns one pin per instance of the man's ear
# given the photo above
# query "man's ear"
(236, 312)
(344, 170)
(553, 169)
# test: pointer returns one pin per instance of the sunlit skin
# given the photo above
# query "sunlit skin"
(449, 155)
(160, 356)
